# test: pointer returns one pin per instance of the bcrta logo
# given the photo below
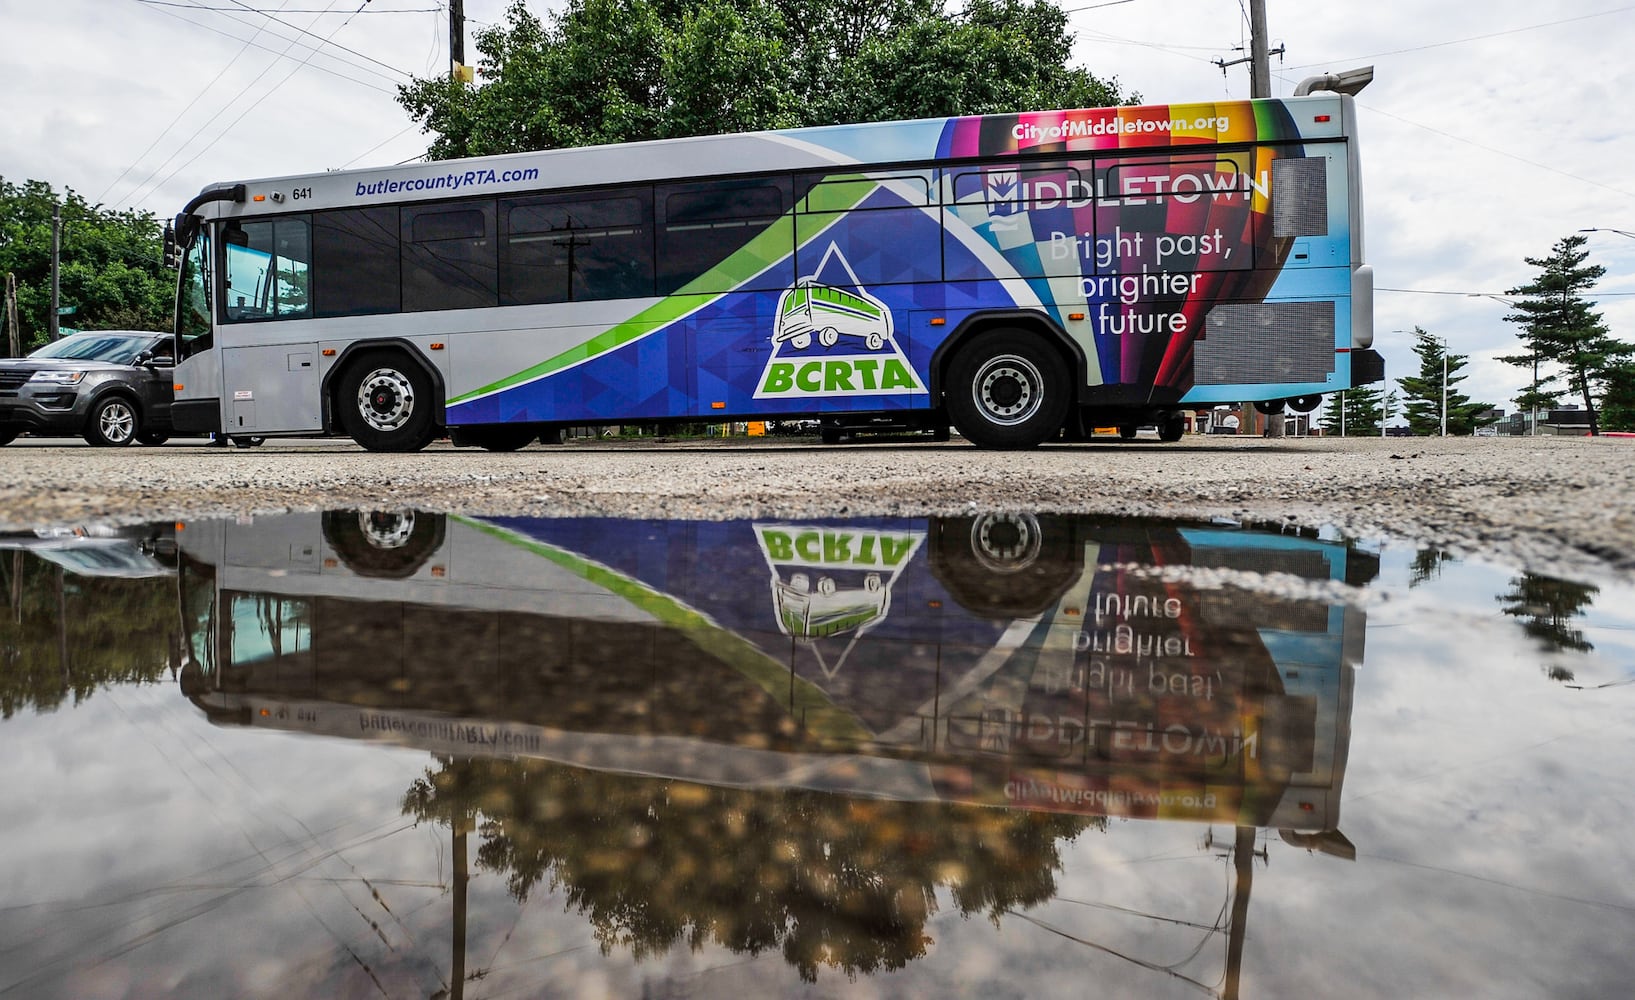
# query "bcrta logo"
(826, 310)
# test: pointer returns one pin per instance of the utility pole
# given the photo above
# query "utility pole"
(56, 269)
(457, 39)
(11, 316)
(1260, 67)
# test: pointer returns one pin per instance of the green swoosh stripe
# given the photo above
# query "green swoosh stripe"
(768, 247)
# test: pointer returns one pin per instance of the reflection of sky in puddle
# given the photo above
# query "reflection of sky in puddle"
(154, 849)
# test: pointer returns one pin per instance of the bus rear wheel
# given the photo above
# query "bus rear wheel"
(385, 402)
(1007, 389)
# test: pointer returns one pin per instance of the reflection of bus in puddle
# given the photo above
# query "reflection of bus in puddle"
(1035, 676)
(830, 581)
(1026, 662)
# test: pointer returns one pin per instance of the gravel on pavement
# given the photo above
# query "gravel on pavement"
(1550, 504)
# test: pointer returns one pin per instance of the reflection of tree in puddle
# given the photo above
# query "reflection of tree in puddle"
(830, 880)
(67, 632)
(1427, 566)
(1547, 607)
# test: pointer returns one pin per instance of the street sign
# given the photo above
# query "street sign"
(67, 310)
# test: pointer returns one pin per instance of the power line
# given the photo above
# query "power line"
(143, 184)
(223, 133)
(1461, 41)
(180, 114)
(325, 40)
(1472, 295)
(294, 10)
(1490, 149)
(281, 54)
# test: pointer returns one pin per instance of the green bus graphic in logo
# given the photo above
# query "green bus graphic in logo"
(825, 307)
(833, 313)
(833, 582)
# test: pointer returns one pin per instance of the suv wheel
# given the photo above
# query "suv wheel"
(113, 424)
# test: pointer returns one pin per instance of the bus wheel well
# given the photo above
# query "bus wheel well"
(1007, 385)
(386, 398)
(336, 379)
(1022, 322)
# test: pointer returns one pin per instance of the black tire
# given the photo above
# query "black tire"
(1305, 404)
(385, 402)
(1270, 406)
(114, 422)
(1005, 565)
(152, 438)
(385, 545)
(7, 436)
(243, 441)
(1172, 427)
(1007, 389)
(942, 432)
(1126, 432)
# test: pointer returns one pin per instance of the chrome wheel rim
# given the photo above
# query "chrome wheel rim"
(117, 422)
(385, 399)
(1008, 389)
(1005, 543)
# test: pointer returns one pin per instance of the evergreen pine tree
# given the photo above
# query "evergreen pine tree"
(1558, 324)
(1424, 393)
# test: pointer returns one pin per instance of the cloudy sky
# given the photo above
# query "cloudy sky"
(1490, 132)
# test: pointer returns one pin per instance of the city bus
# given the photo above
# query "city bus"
(1022, 277)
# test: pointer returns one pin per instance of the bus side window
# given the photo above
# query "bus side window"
(356, 262)
(577, 248)
(449, 257)
(705, 228)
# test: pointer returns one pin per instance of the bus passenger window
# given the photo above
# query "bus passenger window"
(266, 269)
(705, 228)
(356, 262)
(449, 257)
(577, 248)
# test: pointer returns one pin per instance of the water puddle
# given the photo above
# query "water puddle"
(406, 754)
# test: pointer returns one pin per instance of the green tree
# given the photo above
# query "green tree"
(627, 70)
(1618, 404)
(1558, 324)
(1424, 392)
(1363, 412)
(111, 269)
(1000, 55)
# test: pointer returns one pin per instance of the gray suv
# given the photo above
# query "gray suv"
(110, 386)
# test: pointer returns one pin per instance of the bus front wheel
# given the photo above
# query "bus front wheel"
(386, 403)
(1007, 389)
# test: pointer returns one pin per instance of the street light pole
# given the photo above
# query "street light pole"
(1444, 387)
(1620, 232)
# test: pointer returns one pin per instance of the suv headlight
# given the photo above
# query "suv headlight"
(57, 378)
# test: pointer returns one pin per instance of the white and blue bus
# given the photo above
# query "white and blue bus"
(1022, 277)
